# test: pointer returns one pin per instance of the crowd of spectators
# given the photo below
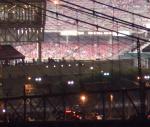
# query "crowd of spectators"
(73, 51)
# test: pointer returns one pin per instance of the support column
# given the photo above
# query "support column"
(39, 52)
(141, 83)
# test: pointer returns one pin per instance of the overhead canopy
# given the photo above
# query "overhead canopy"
(146, 49)
(7, 52)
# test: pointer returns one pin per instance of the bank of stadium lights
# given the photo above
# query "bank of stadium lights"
(147, 77)
(71, 33)
(56, 2)
(121, 33)
(38, 79)
(71, 82)
(106, 73)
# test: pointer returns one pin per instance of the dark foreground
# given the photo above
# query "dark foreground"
(113, 123)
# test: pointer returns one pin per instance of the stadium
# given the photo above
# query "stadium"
(74, 60)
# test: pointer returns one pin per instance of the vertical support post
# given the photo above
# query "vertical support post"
(39, 51)
(141, 83)
(24, 100)
(123, 104)
(103, 103)
(5, 112)
(44, 109)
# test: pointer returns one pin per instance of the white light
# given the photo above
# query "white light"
(77, 64)
(70, 82)
(91, 68)
(46, 66)
(62, 65)
(29, 78)
(106, 74)
(71, 33)
(54, 66)
(148, 25)
(38, 79)
(3, 110)
(56, 2)
(147, 77)
(69, 65)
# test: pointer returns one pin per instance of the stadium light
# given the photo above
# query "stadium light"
(38, 79)
(71, 82)
(71, 33)
(56, 2)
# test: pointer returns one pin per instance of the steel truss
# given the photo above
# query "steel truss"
(25, 24)
(111, 104)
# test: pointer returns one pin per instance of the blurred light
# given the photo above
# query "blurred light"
(62, 65)
(77, 64)
(106, 74)
(83, 98)
(1, 84)
(56, 2)
(69, 65)
(91, 68)
(148, 25)
(146, 77)
(138, 78)
(29, 78)
(99, 117)
(54, 66)
(70, 82)
(68, 111)
(71, 32)
(4, 110)
(111, 97)
(102, 71)
(38, 79)
(46, 66)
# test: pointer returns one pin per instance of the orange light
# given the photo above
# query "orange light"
(111, 97)
(83, 98)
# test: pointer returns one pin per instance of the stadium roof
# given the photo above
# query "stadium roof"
(7, 52)
(141, 7)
